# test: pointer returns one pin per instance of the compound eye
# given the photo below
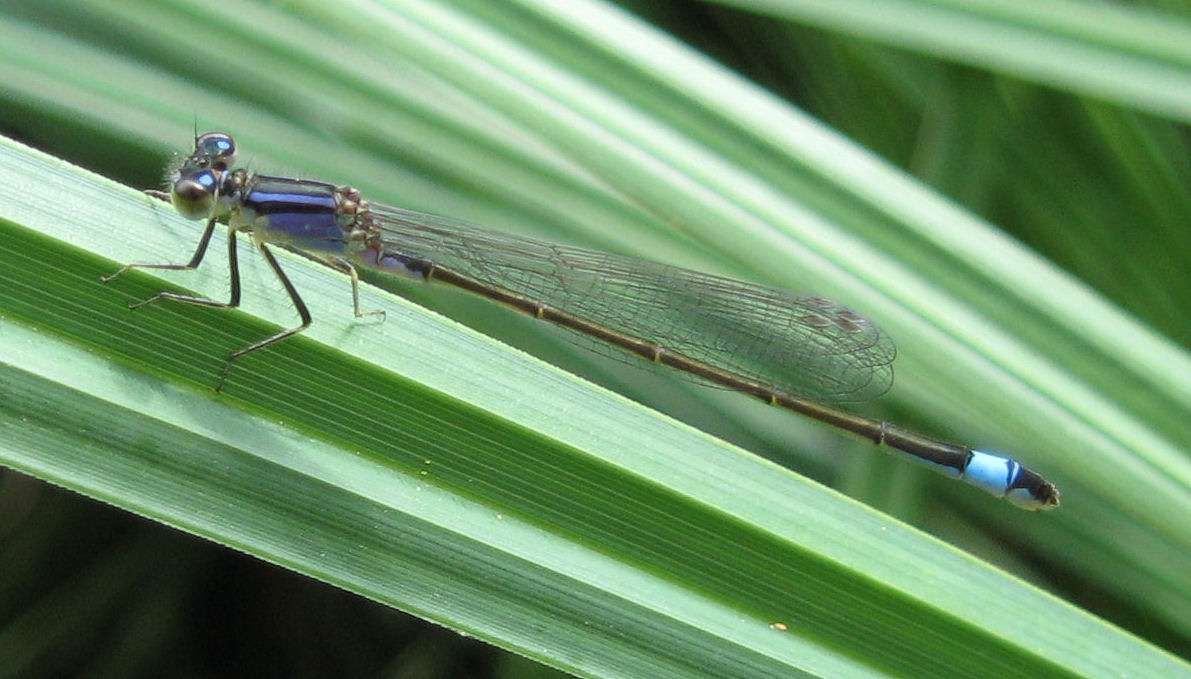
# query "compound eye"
(193, 195)
(217, 148)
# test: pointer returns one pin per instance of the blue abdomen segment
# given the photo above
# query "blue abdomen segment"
(1001, 476)
(1007, 478)
(993, 473)
(301, 213)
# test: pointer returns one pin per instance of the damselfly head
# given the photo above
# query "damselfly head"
(193, 195)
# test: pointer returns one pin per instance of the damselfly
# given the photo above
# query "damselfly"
(792, 352)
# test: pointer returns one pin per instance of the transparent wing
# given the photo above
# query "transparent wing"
(808, 346)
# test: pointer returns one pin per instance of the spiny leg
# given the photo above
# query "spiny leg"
(298, 303)
(346, 267)
(195, 260)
